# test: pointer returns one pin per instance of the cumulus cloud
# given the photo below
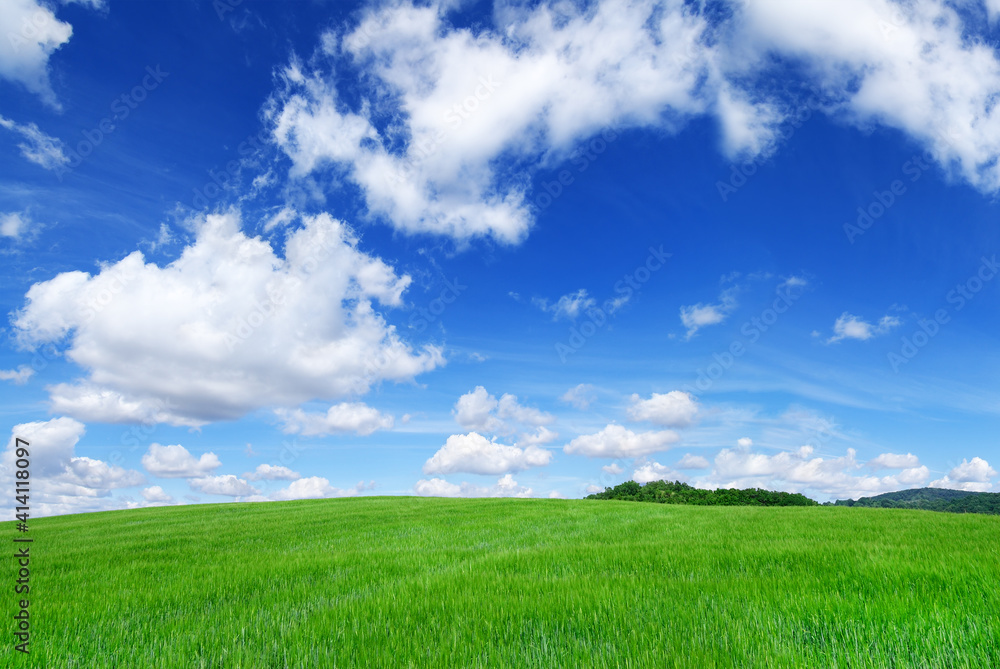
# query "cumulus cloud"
(19, 376)
(474, 110)
(974, 475)
(463, 98)
(692, 462)
(227, 328)
(614, 469)
(580, 396)
(31, 34)
(481, 411)
(673, 409)
(893, 461)
(226, 484)
(697, 316)
(344, 417)
(314, 487)
(62, 481)
(568, 306)
(271, 473)
(16, 226)
(801, 470)
(176, 462)
(37, 147)
(156, 495)
(849, 326)
(654, 471)
(615, 441)
(505, 486)
(475, 454)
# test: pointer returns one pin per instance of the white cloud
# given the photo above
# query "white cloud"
(580, 396)
(803, 471)
(344, 417)
(971, 475)
(314, 487)
(673, 409)
(175, 462)
(475, 411)
(614, 468)
(227, 328)
(63, 482)
(91, 473)
(568, 306)
(156, 494)
(692, 462)
(615, 441)
(894, 461)
(853, 327)
(744, 442)
(475, 110)
(462, 100)
(505, 486)
(437, 488)
(481, 411)
(475, 454)
(914, 67)
(37, 147)
(226, 484)
(509, 410)
(31, 33)
(267, 472)
(697, 316)
(593, 489)
(654, 471)
(16, 225)
(19, 376)
(555, 494)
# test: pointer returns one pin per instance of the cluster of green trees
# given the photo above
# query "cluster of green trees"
(931, 499)
(665, 492)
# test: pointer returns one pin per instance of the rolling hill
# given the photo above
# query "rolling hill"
(426, 582)
(931, 499)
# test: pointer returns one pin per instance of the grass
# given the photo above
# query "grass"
(414, 582)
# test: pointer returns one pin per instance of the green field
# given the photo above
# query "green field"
(415, 582)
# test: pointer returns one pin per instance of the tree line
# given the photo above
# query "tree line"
(665, 492)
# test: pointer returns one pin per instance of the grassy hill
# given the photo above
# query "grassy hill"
(414, 582)
(931, 499)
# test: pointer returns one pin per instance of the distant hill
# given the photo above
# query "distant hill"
(931, 499)
(664, 492)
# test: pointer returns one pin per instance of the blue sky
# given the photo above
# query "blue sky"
(262, 250)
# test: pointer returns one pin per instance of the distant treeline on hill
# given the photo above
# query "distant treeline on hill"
(931, 499)
(665, 492)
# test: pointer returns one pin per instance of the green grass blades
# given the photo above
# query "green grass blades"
(413, 582)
